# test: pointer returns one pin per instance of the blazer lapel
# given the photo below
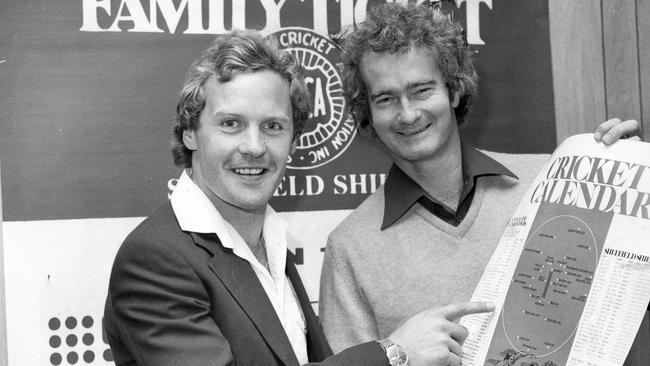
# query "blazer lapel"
(238, 277)
(317, 347)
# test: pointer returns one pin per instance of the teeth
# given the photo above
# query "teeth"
(246, 171)
(408, 133)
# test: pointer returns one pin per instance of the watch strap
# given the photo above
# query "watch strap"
(385, 343)
(394, 352)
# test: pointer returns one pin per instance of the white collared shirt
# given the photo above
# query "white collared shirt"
(196, 213)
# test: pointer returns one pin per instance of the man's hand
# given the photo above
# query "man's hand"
(433, 337)
(611, 130)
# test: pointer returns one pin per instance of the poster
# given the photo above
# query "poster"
(571, 273)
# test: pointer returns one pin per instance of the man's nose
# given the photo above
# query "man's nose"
(409, 113)
(253, 143)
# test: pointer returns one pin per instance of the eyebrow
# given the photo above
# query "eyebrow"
(222, 113)
(279, 117)
(411, 85)
(422, 83)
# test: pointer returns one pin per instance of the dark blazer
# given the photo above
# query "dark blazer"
(181, 298)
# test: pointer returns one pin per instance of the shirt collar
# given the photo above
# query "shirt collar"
(196, 213)
(477, 164)
(401, 192)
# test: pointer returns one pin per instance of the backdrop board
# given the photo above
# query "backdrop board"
(3, 309)
(87, 106)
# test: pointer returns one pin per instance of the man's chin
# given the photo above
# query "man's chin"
(255, 202)
(416, 152)
(413, 156)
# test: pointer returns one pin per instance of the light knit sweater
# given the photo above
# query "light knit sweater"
(372, 280)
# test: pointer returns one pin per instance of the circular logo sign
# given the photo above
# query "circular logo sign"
(329, 130)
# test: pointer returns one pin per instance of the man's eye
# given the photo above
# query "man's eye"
(230, 123)
(383, 100)
(274, 126)
(423, 91)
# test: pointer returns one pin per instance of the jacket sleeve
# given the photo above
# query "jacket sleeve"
(365, 354)
(159, 311)
(345, 314)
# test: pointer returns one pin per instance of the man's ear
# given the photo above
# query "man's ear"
(293, 145)
(456, 99)
(189, 139)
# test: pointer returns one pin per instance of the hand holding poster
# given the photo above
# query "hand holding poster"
(571, 274)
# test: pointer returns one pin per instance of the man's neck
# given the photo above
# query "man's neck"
(248, 224)
(441, 176)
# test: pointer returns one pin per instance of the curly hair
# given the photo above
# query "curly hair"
(396, 28)
(229, 54)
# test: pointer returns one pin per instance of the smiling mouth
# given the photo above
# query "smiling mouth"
(414, 132)
(249, 171)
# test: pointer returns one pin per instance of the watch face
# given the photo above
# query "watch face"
(403, 360)
(397, 356)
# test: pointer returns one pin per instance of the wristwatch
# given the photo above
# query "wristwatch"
(396, 354)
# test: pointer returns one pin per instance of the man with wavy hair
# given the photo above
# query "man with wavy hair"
(207, 278)
(424, 238)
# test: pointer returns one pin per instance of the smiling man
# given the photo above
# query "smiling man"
(424, 238)
(207, 279)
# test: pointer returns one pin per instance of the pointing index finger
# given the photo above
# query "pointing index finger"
(456, 311)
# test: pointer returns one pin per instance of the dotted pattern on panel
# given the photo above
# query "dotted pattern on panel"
(71, 340)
